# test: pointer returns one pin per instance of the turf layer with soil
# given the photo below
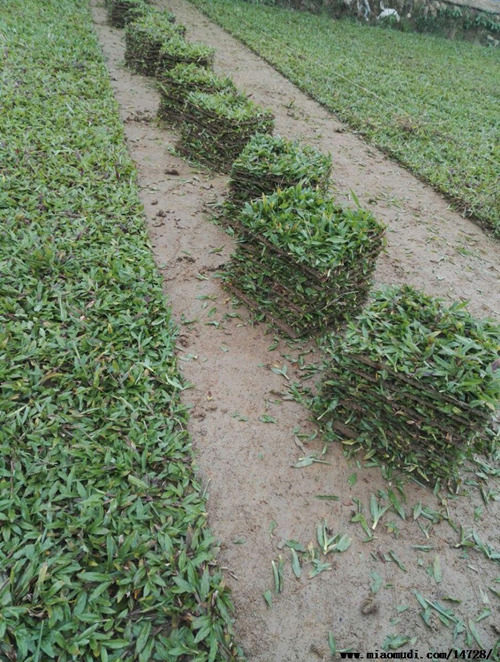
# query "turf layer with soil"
(429, 102)
(104, 552)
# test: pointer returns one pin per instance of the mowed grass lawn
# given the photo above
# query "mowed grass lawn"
(104, 550)
(432, 104)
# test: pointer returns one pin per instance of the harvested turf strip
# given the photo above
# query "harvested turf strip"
(105, 554)
(145, 37)
(178, 51)
(303, 261)
(414, 383)
(216, 127)
(176, 83)
(121, 12)
(271, 162)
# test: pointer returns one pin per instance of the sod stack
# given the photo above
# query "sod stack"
(175, 84)
(303, 262)
(413, 382)
(216, 127)
(178, 51)
(271, 162)
(145, 37)
(122, 12)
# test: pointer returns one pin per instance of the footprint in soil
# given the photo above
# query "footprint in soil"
(368, 607)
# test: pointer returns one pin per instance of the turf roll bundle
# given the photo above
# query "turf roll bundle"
(271, 162)
(303, 262)
(175, 84)
(145, 37)
(414, 383)
(178, 51)
(216, 127)
(121, 12)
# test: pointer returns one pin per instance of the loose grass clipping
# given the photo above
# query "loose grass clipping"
(413, 383)
(303, 262)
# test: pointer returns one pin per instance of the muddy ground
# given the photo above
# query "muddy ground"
(257, 499)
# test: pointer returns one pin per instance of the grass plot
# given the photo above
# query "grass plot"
(104, 550)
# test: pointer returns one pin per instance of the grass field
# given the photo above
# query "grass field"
(430, 103)
(104, 552)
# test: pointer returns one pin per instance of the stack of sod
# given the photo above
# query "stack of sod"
(175, 84)
(178, 51)
(268, 163)
(413, 383)
(121, 12)
(303, 262)
(145, 37)
(216, 127)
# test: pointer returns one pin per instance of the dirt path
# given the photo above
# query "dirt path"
(257, 499)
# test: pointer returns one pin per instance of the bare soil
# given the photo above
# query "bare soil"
(257, 500)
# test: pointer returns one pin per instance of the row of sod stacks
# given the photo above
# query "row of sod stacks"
(121, 12)
(216, 127)
(413, 382)
(271, 162)
(175, 84)
(302, 261)
(216, 121)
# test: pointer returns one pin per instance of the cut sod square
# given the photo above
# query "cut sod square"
(178, 51)
(121, 12)
(176, 83)
(271, 162)
(304, 262)
(216, 127)
(145, 37)
(413, 383)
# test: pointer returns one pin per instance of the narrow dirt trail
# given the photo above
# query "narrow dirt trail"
(257, 500)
